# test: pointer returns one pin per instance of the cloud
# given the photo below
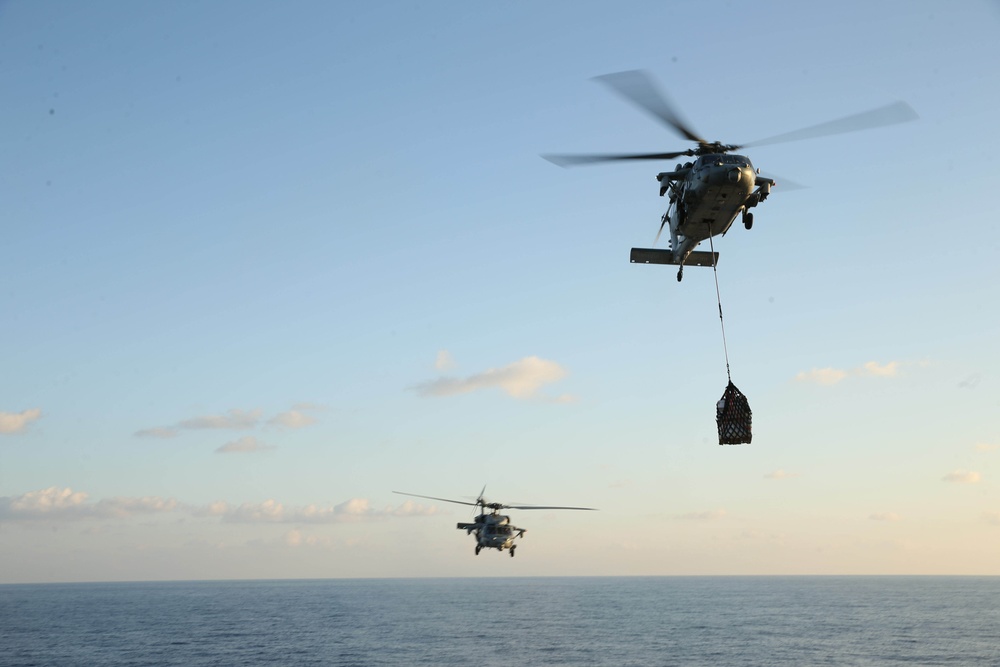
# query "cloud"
(411, 508)
(986, 447)
(126, 507)
(271, 511)
(992, 518)
(218, 508)
(831, 376)
(245, 445)
(444, 362)
(15, 422)
(962, 477)
(520, 380)
(884, 516)
(56, 503)
(710, 515)
(353, 510)
(65, 505)
(234, 419)
(885, 371)
(45, 501)
(291, 419)
(780, 474)
(240, 420)
(157, 432)
(295, 538)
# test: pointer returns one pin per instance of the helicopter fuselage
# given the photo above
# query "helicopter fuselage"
(706, 196)
(493, 531)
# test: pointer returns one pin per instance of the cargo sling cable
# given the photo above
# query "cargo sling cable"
(733, 415)
(718, 296)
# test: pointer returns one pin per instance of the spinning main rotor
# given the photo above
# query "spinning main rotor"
(496, 507)
(638, 88)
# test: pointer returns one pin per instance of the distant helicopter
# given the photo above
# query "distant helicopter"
(493, 530)
(706, 195)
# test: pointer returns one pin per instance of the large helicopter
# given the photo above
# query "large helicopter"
(493, 530)
(706, 195)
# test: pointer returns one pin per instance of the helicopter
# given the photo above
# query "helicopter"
(707, 194)
(493, 530)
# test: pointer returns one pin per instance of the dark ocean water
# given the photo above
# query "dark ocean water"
(531, 621)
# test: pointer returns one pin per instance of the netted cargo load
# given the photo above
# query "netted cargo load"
(734, 417)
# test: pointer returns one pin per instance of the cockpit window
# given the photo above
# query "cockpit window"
(720, 159)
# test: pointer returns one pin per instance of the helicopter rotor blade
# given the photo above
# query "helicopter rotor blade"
(480, 502)
(577, 160)
(891, 114)
(446, 500)
(637, 87)
(546, 507)
(783, 183)
(660, 230)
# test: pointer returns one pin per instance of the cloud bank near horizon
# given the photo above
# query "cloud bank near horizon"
(64, 505)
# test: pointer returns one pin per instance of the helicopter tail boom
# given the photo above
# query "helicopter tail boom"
(661, 256)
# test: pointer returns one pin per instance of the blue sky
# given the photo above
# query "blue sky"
(264, 263)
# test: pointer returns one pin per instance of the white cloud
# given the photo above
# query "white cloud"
(15, 422)
(873, 368)
(444, 361)
(884, 516)
(986, 447)
(297, 417)
(234, 419)
(266, 512)
(64, 504)
(780, 474)
(521, 380)
(962, 477)
(271, 511)
(218, 508)
(56, 503)
(291, 419)
(295, 538)
(52, 499)
(125, 507)
(157, 432)
(411, 508)
(245, 445)
(831, 376)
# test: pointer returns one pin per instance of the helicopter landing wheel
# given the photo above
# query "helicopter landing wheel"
(512, 551)
(748, 220)
(478, 549)
(680, 273)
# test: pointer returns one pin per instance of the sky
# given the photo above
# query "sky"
(265, 263)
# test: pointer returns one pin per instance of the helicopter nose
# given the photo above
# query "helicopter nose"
(734, 175)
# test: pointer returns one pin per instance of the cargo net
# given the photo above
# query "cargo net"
(733, 415)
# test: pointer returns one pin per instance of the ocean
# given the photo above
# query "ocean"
(619, 621)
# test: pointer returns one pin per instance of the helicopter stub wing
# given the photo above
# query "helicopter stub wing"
(662, 256)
